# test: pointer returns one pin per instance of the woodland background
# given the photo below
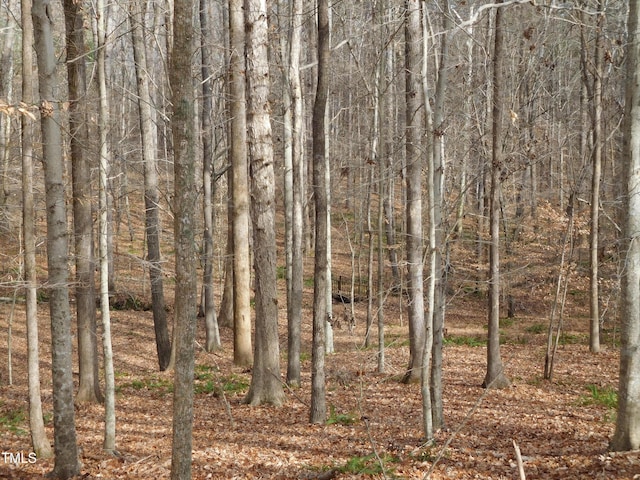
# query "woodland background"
(562, 89)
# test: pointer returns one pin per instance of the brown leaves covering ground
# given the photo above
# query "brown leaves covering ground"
(559, 433)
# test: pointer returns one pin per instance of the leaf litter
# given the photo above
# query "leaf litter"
(559, 435)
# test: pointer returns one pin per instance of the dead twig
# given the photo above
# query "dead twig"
(519, 460)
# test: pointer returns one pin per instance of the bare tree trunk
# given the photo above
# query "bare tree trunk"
(210, 321)
(329, 345)
(39, 440)
(414, 133)
(598, 140)
(266, 384)
(294, 302)
(103, 129)
(495, 377)
(436, 234)
(627, 432)
(6, 92)
(318, 413)
(468, 112)
(88, 382)
(185, 200)
(389, 113)
(225, 313)
(370, 233)
(65, 445)
(482, 182)
(555, 318)
(151, 195)
(381, 103)
(285, 16)
(241, 259)
(431, 254)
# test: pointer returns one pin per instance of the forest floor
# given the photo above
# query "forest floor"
(374, 431)
(562, 426)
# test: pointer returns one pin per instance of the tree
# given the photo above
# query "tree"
(184, 207)
(6, 92)
(39, 441)
(240, 188)
(437, 273)
(151, 196)
(495, 377)
(88, 381)
(266, 385)
(104, 170)
(66, 464)
(414, 243)
(627, 432)
(598, 143)
(318, 411)
(208, 180)
(225, 312)
(294, 298)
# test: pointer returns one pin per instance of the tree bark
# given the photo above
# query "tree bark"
(495, 377)
(88, 382)
(385, 177)
(241, 259)
(266, 383)
(104, 168)
(225, 313)
(318, 413)
(413, 149)
(211, 323)
(433, 189)
(436, 234)
(151, 195)
(294, 303)
(598, 141)
(39, 440)
(627, 432)
(185, 199)
(65, 445)
(6, 92)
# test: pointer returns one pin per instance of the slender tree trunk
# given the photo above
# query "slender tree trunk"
(431, 120)
(627, 432)
(210, 321)
(376, 160)
(225, 313)
(241, 259)
(151, 195)
(185, 199)
(318, 413)
(103, 126)
(88, 382)
(285, 15)
(66, 464)
(482, 183)
(294, 305)
(388, 111)
(380, 291)
(39, 440)
(467, 129)
(414, 133)
(598, 141)
(328, 345)
(495, 377)
(437, 236)
(6, 93)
